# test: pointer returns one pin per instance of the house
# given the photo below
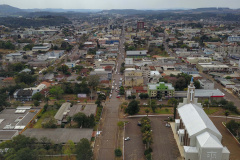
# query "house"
(206, 84)
(14, 57)
(70, 64)
(62, 113)
(197, 134)
(90, 59)
(23, 94)
(161, 90)
(7, 82)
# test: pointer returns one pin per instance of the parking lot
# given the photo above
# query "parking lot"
(164, 146)
(134, 148)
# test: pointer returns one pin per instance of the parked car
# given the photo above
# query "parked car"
(139, 123)
(78, 101)
(118, 96)
(127, 139)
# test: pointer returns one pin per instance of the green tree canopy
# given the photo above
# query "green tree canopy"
(132, 107)
(56, 91)
(84, 150)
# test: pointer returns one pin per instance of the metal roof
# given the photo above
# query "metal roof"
(196, 120)
(208, 140)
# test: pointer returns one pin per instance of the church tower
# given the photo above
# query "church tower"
(191, 92)
(190, 96)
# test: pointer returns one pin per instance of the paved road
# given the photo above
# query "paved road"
(108, 139)
(228, 96)
(164, 146)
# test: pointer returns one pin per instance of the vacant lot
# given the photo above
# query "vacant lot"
(47, 114)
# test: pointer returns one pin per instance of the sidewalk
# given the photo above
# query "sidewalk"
(176, 139)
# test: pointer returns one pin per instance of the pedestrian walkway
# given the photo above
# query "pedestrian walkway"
(177, 140)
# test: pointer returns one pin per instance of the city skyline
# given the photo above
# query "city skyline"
(124, 4)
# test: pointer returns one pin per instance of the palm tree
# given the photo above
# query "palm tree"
(147, 111)
(226, 114)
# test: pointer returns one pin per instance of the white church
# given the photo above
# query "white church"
(199, 137)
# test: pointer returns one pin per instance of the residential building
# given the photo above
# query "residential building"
(206, 84)
(234, 39)
(198, 136)
(70, 64)
(140, 25)
(14, 57)
(161, 90)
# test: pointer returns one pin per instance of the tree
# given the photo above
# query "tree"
(133, 97)
(132, 107)
(37, 96)
(56, 91)
(84, 150)
(80, 119)
(26, 154)
(147, 111)
(153, 105)
(93, 82)
(25, 78)
(118, 152)
(147, 138)
(121, 90)
(51, 123)
(69, 148)
(174, 103)
(233, 126)
(36, 103)
(226, 113)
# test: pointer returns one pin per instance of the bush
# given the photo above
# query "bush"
(148, 151)
(118, 152)
(149, 157)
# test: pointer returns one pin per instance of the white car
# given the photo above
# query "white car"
(127, 139)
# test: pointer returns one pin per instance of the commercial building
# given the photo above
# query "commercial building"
(197, 134)
(206, 84)
(161, 90)
(133, 77)
(234, 39)
(14, 121)
(136, 53)
(213, 68)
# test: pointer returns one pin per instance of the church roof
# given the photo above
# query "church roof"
(196, 120)
(208, 140)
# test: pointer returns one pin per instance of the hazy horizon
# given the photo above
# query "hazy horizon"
(123, 4)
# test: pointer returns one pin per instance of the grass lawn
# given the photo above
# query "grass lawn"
(49, 113)
(210, 110)
(164, 110)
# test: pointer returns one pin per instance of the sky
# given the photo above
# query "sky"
(121, 4)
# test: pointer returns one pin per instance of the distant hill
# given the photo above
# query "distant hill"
(63, 10)
(9, 10)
